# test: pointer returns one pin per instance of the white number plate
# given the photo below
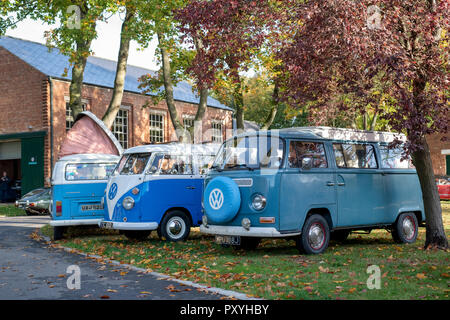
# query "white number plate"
(232, 240)
(91, 207)
(107, 225)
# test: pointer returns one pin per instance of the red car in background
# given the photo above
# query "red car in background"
(443, 184)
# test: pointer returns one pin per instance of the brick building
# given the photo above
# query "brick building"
(34, 116)
(440, 154)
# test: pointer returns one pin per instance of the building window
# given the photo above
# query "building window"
(69, 117)
(120, 127)
(188, 122)
(216, 135)
(156, 127)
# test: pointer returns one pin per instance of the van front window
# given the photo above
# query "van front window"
(250, 152)
(135, 163)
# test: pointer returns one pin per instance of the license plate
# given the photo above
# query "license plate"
(231, 240)
(91, 207)
(107, 225)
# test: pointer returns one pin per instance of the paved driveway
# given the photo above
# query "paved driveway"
(33, 270)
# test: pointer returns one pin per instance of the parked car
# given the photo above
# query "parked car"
(311, 185)
(443, 184)
(158, 187)
(36, 202)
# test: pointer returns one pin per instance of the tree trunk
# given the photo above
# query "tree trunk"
(238, 100)
(435, 233)
(168, 88)
(76, 84)
(121, 70)
(273, 110)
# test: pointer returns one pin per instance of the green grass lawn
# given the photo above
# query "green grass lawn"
(11, 211)
(277, 271)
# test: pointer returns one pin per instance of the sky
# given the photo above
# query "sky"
(105, 46)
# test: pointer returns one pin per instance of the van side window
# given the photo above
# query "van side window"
(88, 171)
(392, 158)
(359, 156)
(175, 164)
(205, 163)
(298, 150)
(135, 163)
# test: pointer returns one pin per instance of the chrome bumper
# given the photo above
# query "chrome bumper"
(128, 225)
(263, 232)
(74, 222)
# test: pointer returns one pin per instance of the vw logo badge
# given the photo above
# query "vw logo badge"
(216, 199)
(112, 191)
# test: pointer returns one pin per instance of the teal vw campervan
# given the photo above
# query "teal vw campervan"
(311, 184)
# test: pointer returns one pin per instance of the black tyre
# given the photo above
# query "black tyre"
(58, 233)
(158, 232)
(248, 243)
(406, 228)
(315, 235)
(175, 226)
(137, 234)
(339, 235)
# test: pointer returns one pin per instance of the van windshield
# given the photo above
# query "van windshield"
(134, 164)
(250, 152)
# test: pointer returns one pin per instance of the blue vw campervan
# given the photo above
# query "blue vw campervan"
(88, 155)
(311, 184)
(158, 187)
(78, 186)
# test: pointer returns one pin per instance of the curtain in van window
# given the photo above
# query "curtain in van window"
(359, 156)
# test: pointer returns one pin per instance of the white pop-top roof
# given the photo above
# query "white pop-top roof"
(90, 158)
(350, 134)
(179, 148)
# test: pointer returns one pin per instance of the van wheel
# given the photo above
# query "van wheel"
(58, 232)
(248, 243)
(137, 234)
(315, 235)
(339, 235)
(175, 226)
(158, 232)
(405, 229)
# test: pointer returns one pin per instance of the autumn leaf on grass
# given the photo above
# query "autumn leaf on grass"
(421, 276)
(445, 275)
(351, 290)
(123, 273)
(104, 296)
(61, 275)
(322, 269)
(145, 292)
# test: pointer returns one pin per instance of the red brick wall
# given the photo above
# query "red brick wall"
(436, 147)
(21, 98)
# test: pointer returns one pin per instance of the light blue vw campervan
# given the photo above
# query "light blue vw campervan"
(88, 155)
(311, 184)
(78, 186)
(158, 187)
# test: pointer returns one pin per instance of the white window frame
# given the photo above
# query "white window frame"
(123, 141)
(68, 111)
(160, 128)
(214, 131)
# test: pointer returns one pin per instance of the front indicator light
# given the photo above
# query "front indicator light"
(267, 220)
(128, 203)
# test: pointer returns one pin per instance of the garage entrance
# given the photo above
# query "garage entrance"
(22, 157)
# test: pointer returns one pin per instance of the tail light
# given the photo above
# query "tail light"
(58, 208)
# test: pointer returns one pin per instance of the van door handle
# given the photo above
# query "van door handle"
(341, 184)
(190, 188)
(330, 184)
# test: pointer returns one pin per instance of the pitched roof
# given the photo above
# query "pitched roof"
(98, 71)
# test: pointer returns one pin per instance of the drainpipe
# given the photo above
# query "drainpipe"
(51, 126)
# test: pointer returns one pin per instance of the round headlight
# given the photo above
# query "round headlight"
(128, 203)
(246, 223)
(259, 202)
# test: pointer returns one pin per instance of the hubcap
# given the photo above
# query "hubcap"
(316, 236)
(409, 229)
(176, 227)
